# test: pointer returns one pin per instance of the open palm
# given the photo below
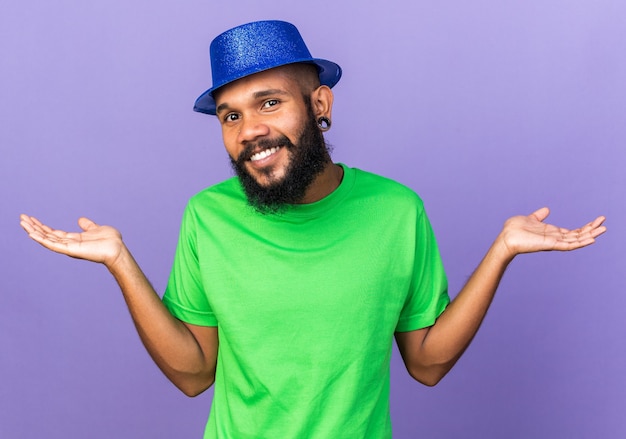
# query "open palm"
(526, 234)
(96, 243)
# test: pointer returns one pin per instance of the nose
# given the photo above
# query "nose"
(251, 128)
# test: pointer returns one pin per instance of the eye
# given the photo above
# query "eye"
(231, 117)
(270, 103)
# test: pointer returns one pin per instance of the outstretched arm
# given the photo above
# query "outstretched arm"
(430, 353)
(186, 353)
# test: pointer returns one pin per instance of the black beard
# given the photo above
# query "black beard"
(309, 157)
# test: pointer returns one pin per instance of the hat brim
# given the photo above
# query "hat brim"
(329, 74)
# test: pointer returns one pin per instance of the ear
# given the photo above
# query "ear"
(322, 101)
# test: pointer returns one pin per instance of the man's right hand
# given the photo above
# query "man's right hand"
(186, 353)
(96, 243)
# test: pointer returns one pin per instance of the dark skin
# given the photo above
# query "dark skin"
(267, 104)
(271, 103)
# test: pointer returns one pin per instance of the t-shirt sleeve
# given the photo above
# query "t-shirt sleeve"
(428, 292)
(185, 295)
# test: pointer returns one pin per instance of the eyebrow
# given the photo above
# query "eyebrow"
(255, 95)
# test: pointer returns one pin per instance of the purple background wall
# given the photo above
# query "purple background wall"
(487, 109)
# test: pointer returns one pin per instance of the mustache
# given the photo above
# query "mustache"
(253, 147)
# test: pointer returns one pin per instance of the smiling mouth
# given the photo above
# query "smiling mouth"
(264, 154)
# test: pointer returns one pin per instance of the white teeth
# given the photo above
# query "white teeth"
(264, 153)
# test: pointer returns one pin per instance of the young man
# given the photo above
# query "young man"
(291, 280)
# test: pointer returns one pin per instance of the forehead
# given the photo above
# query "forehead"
(278, 78)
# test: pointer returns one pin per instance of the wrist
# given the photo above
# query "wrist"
(501, 251)
(119, 262)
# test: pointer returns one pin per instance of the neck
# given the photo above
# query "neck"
(324, 184)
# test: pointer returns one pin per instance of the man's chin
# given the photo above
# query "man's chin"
(266, 177)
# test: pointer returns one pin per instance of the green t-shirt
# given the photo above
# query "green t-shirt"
(306, 303)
